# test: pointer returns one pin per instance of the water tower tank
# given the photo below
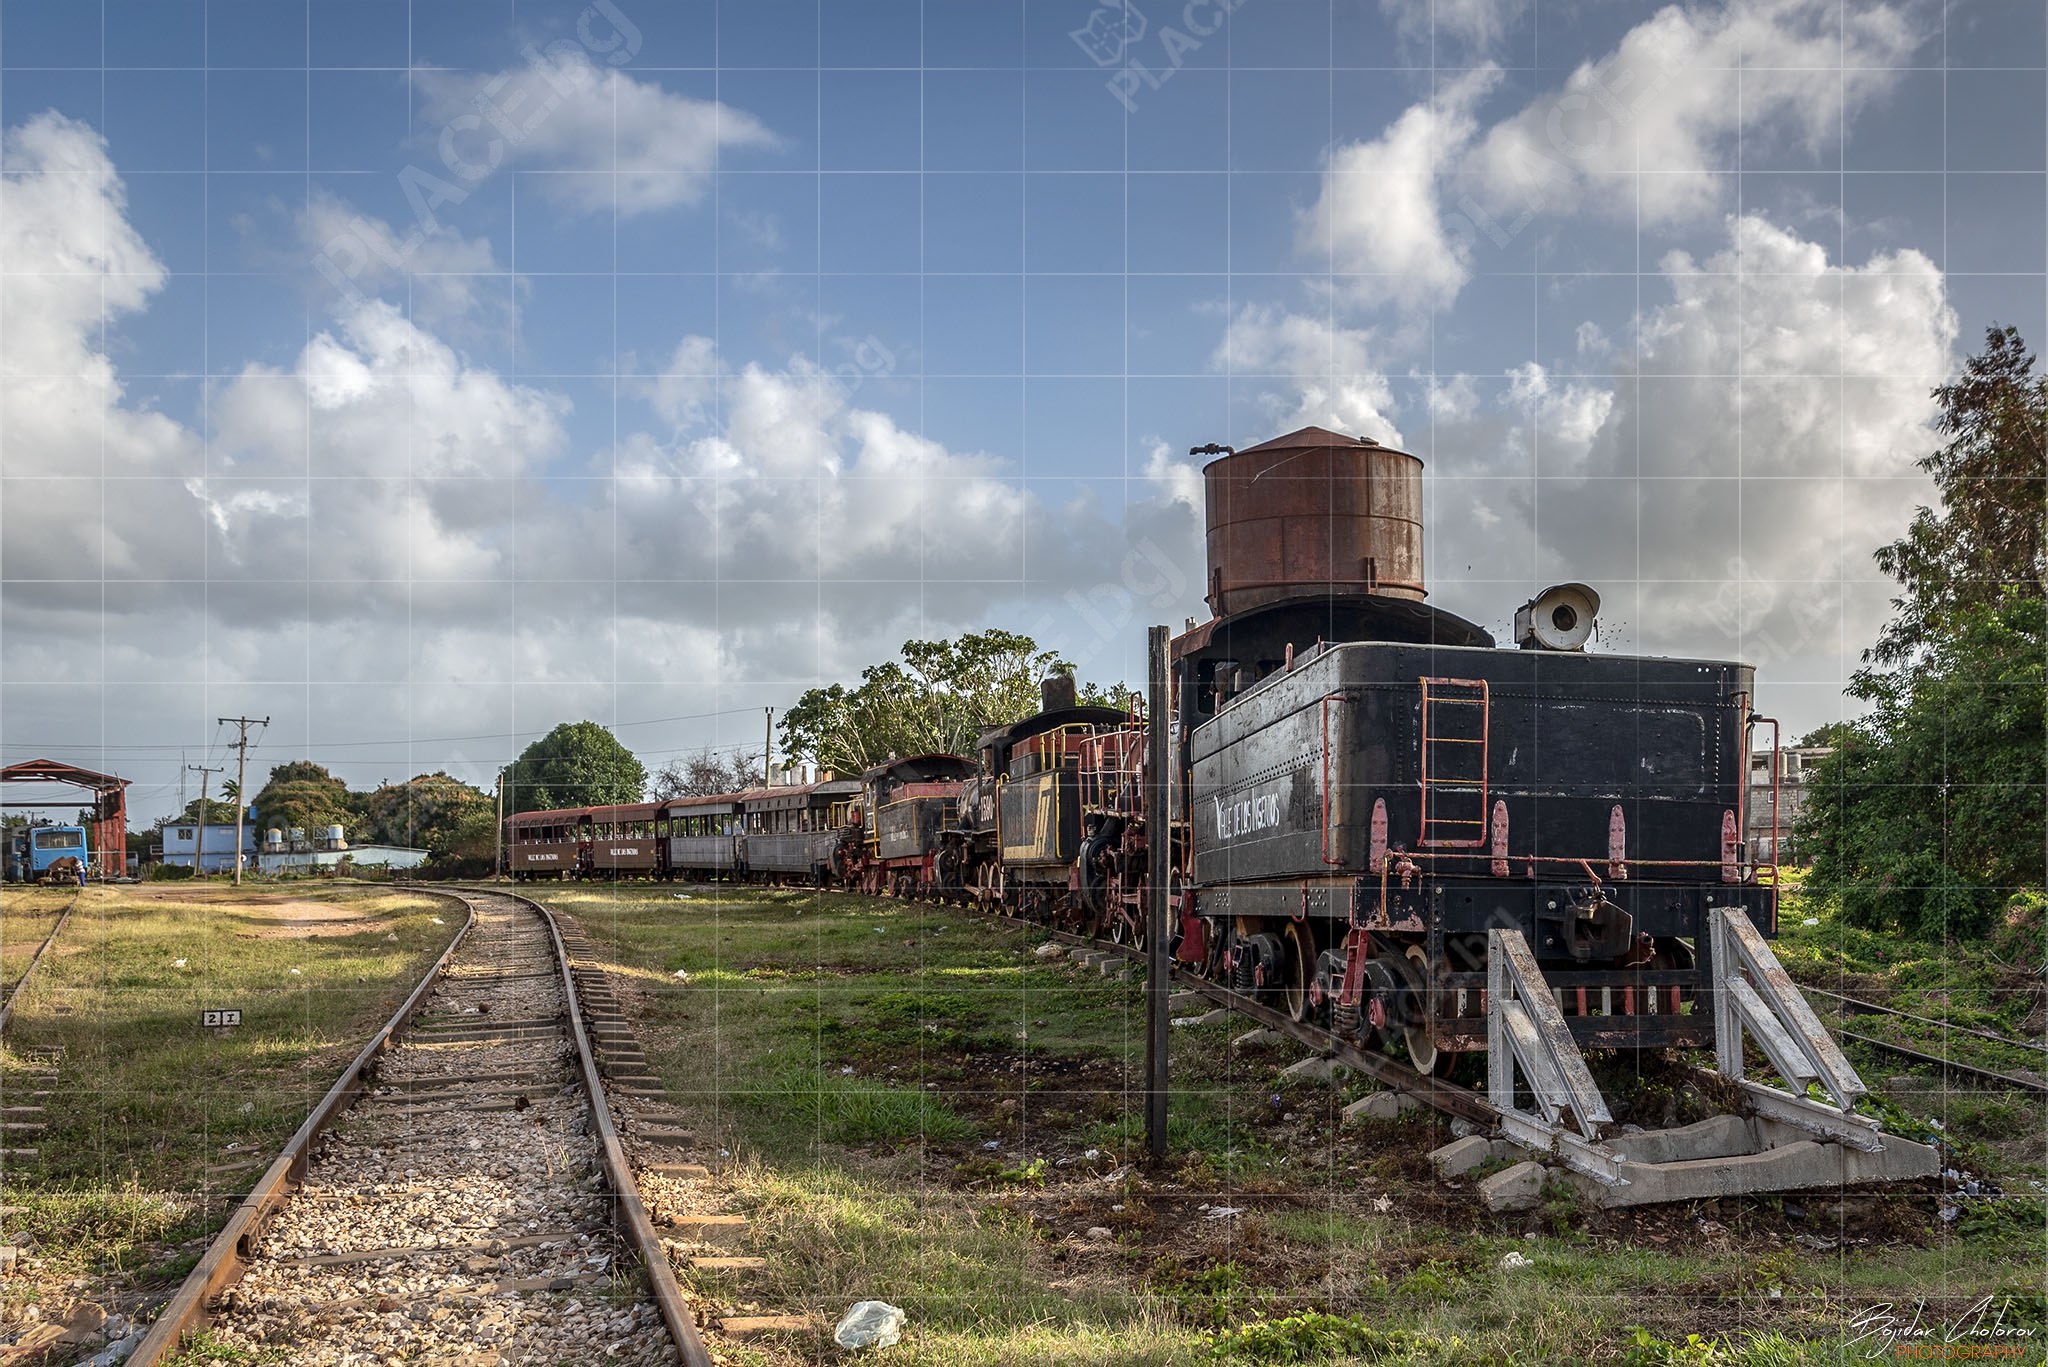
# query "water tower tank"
(1313, 512)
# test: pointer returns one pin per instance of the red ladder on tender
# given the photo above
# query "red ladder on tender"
(1455, 721)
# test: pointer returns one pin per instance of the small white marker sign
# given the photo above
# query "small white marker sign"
(213, 1018)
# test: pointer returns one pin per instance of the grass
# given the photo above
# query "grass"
(153, 1123)
(29, 915)
(144, 1092)
(856, 1056)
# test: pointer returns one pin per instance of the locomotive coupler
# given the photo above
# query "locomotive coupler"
(1583, 923)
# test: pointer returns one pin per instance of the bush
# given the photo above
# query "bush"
(168, 873)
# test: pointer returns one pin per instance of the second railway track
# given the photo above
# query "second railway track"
(470, 1206)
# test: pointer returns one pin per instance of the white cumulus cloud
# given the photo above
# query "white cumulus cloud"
(1651, 127)
(617, 140)
(1324, 374)
(1378, 224)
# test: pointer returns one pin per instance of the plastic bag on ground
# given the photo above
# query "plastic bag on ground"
(870, 1324)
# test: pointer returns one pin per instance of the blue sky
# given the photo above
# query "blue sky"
(765, 335)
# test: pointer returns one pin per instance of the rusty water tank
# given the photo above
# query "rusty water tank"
(1313, 512)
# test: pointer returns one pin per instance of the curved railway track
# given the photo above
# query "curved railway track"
(459, 1196)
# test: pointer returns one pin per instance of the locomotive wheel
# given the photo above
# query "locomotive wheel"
(1421, 1039)
(1301, 967)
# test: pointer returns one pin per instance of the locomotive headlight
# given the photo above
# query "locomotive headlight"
(1559, 618)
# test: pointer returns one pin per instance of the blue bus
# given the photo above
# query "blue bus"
(33, 851)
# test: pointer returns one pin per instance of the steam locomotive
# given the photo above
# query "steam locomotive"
(1363, 787)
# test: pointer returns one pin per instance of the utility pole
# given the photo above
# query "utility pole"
(241, 779)
(498, 835)
(199, 845)
(1159, 871)
(768, 752)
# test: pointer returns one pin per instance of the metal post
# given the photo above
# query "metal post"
(498, 831)
(1158, 893)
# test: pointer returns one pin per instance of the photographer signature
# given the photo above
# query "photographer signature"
(1888, 1325)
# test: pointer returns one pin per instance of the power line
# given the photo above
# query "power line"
(41, 747)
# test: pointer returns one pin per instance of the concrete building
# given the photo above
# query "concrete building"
(1796, 765)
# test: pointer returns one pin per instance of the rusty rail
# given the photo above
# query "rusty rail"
(7, 1011)
(631, 1210)
(222, 1264)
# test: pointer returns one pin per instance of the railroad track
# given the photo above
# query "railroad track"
(14, 993)
(460, 1196)
(1449, 1097)
(1850, 1007)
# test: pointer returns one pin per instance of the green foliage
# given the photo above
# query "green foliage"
(210, 1349)
(578, 764)
(1210, 1296)
(304, 795)
(1934, 803)
(1986, 542)
(169, 873)
(431, 812)
(1562, 1205)
(1931, 805)
(1834, 734)
(1310, 1337)
(1645, 1349)
(937, 699)
(218, 813)
(2020, 939)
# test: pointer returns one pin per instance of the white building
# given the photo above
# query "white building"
(296, 854)
(1795, 770)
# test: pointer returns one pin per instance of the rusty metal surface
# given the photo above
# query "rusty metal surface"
(222, 1264)
(1313, 511)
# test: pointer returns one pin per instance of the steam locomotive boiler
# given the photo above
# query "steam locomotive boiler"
(1369, 786)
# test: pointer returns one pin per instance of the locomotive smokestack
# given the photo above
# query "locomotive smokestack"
(1313, 513)
(1056, 693)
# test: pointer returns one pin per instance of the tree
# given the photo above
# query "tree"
(1833, 735)
(1988, 537)
(427, 812)
(937, 699)
(1930, 809)
(218, 813)
(303, 795)
(578, 764)
(709, 771)
(1929, 812)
